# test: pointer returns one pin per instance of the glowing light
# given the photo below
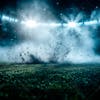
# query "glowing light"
(54, 24)
(30, 23)
(16, 20)
(9, 19)
(92, 22)
(72, 24)
(4, 17)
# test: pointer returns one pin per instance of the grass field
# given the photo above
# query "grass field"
(49, 82)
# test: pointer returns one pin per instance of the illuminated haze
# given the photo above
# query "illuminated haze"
(51, 43)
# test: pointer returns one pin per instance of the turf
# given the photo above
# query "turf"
(49, 82)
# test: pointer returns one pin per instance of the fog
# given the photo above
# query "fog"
(46, 44)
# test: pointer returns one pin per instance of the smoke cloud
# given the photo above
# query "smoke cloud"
(52, 44)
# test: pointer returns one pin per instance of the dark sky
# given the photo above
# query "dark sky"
(59, 5)
(86, 5)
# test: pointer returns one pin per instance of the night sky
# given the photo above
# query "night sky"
(9, 33)
(58, 5)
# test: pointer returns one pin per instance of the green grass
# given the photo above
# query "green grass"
(49, 82)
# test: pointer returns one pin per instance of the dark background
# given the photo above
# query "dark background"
(59, 5)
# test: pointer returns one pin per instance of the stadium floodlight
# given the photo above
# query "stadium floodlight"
(72, 24)
(92, 22)
(30, 23)
(5, 18)
(9, 19)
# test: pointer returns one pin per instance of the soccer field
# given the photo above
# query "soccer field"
(49, 82)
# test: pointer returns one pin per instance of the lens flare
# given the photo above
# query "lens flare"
(72, 24)
(30, 23)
